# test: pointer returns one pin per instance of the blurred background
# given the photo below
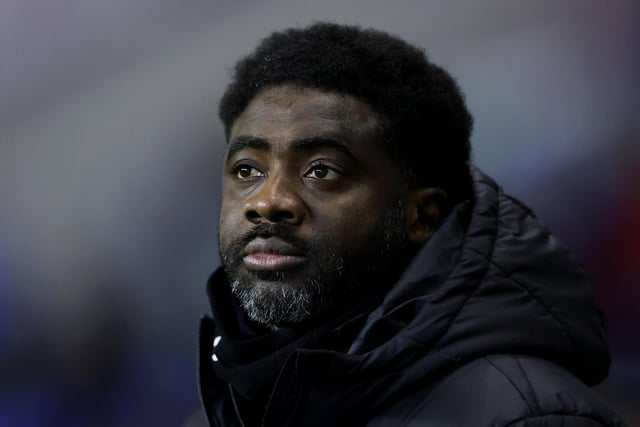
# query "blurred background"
(110, 154)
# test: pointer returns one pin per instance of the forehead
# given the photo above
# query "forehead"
(289, 112)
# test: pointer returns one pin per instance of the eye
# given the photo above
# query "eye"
(322, 172)
(246, 172)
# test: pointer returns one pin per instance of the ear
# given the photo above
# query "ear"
(425, 210)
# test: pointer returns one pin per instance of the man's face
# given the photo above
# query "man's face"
(312, 205)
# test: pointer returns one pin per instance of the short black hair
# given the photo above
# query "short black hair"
(424, 120)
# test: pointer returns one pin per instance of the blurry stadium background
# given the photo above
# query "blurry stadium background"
(110, 154)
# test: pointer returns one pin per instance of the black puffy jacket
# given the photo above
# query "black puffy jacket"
(492, 324)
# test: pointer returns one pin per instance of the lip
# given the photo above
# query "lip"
(271, 254)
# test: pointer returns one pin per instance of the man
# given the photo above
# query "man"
(371, 276)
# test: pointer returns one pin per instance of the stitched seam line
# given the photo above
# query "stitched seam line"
(538, 300)
(513, 384)
(531, 389)
(465, 246)
(585, 417)
(477, 286)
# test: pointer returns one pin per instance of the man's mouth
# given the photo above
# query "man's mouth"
(271, 254)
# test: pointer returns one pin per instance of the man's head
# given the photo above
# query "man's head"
(343, 145)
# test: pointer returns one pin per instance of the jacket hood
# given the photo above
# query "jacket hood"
(491, 280)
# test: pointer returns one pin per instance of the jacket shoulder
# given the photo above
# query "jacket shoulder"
(503, 390)
(197, 419)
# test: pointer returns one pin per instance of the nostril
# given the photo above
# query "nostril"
(252, 215)
(276, 202)
(286, 215)
(271, 215)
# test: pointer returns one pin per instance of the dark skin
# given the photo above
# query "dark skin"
(310, 162)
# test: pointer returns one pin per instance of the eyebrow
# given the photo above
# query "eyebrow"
(312, 142)
(242, 142)
(302, 144)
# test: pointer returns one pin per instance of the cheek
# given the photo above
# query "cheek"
(231, 220)
(352, 218)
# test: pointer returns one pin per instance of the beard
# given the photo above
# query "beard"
(330, 277)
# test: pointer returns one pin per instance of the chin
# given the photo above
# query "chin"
(277, 302)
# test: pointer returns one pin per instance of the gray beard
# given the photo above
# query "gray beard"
(329, 281)
(277, 306)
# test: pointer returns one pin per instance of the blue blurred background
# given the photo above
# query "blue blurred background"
(110, 154)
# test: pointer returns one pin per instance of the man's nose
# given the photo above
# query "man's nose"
(276, 201)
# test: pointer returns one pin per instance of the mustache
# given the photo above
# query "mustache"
(265, 230)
